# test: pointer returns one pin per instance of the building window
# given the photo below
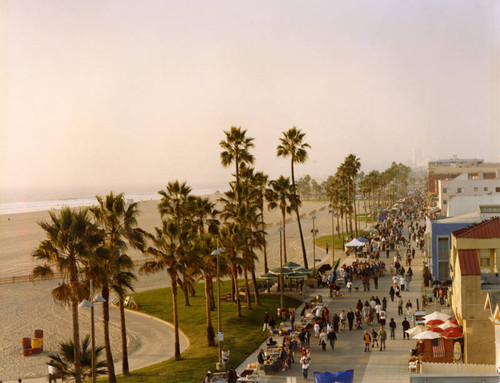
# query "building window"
(485, 263)
(443, 271)
(445, 190)
(445, 202)
(497, 190)
(476, 189)
(459, 190)
(485, 188)
(443, 249)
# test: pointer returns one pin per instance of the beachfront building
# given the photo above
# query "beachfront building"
(474, 262)
(492, 305)
(460, 205)
(449, 169)
(438, 238)
(465, 185)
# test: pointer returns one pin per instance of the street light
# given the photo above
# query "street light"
(281, 229)
(86, 304)
(332, 210)
(314, 244)
(218, 252)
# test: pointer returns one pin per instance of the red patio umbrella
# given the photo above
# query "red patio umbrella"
(436, 329)
(454, 321)
(434, 322)
(452, 333)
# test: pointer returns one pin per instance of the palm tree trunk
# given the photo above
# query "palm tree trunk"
(177, 347)
(355, 209)
(237, 292)
(247, 289)
(210, 328)
(304, 254)
(184, 289)
(266, 268)
(192, 290)
(123, 327)
(283, 215)
(339, 226)
(256, 288)
(76, 340)
(233, 288)
(211, 297)
(107, 342)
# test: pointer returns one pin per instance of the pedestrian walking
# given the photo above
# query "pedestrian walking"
(343, 318)
(266, 322)
(349, 285)
(392, 326)
(332, 337)
(305, 362)
(367, 339)
(400, 306)
(322, 340)
(406, 326)
(382, 335)
(350, 318)
(374, 336)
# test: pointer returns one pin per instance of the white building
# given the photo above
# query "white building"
(461, 204)
(465, 185)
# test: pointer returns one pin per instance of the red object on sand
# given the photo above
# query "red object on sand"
(36, 351)
(38, 334)
(434, 322)
(27, 342)
(452, 333)
(27, 352)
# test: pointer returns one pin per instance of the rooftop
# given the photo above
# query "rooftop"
(484, 229)
(469, 262)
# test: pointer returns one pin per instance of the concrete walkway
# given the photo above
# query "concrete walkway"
(390, 365)
(156, 338)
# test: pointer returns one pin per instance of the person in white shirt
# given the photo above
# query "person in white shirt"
(383, 317)
(305, 362)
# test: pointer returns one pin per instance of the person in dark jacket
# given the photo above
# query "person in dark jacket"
(392, 325)
(350, 319)
(332, 337)
(406, 326)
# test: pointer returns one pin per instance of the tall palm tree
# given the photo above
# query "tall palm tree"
(280, 194)
(71, 239)
(169, 253)
(353, 165)
(119, 222)
(175, 203)
(236, 148)
(259, 183)
(293, 146)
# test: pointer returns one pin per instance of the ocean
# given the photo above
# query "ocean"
(32, 205)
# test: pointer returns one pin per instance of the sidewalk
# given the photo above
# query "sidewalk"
(376, 366)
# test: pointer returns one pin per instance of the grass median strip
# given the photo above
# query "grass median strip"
(241, 335)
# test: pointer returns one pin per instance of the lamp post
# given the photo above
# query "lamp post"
(281, 230)
(314, 244)
(86, 304)
(332, 210)
(218, 252)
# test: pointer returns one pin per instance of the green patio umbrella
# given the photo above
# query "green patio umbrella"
(278, 271)
(268, 277)
(292, 265)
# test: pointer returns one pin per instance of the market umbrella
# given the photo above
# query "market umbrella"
(446, 325)
(416, 330)
(448, 282)
(292, 265)
(303, 271)
(278, 271)
(437, 315)
(324, 267)
(454, 321)
(427, 335)
(436, 329)
(297, 276)
(452, 333)
(354, 243)
(361, 239)
(371, 229)
(433, 322)
(436, 283)
(268, 277)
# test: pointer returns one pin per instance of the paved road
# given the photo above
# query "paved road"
(390, 365)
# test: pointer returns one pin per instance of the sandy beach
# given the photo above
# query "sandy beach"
(26, 306)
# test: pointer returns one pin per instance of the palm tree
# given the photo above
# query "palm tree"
(292, 146)
(71, 239)
(169, 253)
(259, 183)
(64, 360)
(353, 165)
(236, 149)
(279, 194)
(176, 203)
(119, 222)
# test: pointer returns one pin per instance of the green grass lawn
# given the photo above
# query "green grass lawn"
(323, 240)
(241, 335)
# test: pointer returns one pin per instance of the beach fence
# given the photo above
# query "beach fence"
(29, 278)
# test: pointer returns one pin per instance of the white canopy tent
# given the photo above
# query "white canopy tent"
(354, 243)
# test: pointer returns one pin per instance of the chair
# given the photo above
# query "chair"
(413, 366)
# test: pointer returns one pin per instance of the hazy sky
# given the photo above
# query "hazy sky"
(139, 92)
